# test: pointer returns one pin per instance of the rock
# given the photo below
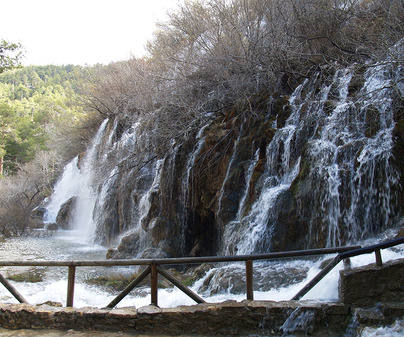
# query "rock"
(38, 212)
(65, 215)
(36, 223)
(51, 304)
(110, 253)
(51, 227)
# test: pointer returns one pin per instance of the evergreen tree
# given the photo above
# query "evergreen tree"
(10, 55)
(33, 100)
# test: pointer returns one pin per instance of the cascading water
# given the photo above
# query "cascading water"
(350, 158)
(325, 151)
(65, 188)
(253, 232)
(375, 157)
(322, 176)
(78, 182)
(329, 163)
(186, 186)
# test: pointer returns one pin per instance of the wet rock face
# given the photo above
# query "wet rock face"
(319, 166)
(65, 215)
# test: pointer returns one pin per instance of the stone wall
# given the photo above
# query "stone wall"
(368, 285)
(223, 319)
(369, 296)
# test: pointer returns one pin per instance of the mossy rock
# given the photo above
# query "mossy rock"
(118, 282)
(301, 177)
(260, 100)
(31, 276)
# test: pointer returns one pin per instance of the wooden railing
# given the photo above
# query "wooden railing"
(344, 256)
(154, 268)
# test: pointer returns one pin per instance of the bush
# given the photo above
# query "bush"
(211, 54)
(22, 192)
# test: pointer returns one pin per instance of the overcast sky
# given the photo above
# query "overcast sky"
(81, 31)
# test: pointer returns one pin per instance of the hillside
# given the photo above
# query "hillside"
(33, 100)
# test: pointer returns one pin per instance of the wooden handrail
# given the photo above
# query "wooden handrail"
(371, 248)
(180, 260)
(153, 268)
(346, 255)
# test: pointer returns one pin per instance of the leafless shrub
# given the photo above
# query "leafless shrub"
(22, 192)
(211, 54)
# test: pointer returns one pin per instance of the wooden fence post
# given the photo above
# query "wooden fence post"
(70, 286)
(153, 283)
(379, 261)
(249, 279)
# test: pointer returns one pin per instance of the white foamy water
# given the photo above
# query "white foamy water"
(395, 330)
(77, 181)
(65, 245)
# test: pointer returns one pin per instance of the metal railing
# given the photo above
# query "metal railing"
(154, 269)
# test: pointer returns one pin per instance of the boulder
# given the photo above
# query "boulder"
(51, 227)
(65, 215)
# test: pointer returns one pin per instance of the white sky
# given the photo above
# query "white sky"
(81, 31)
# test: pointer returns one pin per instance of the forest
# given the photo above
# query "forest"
(210, 59)
(43, 124)
(33, 100)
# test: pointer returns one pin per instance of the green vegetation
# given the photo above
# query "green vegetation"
(42, 124)
(112, 282)
(119, 282)
(10, 55)
(33, 101)
(209, 56)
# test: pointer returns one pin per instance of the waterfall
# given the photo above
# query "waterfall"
(326, 149)
(65, 188)
(375, 179)
(312, 169)
(78, 182)
(252, 233)
(187, 187)
(350, 158)
(248, 176)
